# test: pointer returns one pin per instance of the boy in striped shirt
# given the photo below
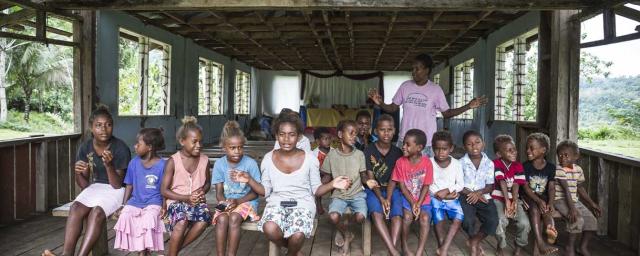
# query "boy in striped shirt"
(509, 176)
(570, 196)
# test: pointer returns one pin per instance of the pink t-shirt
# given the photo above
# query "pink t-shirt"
(420, 105)
(414, 177)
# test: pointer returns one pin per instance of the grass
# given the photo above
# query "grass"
(626, 147)
(40, 123)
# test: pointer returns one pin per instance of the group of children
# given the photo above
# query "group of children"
(368, 175)
(404, 185)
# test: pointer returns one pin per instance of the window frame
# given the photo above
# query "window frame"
(463, 87)
(210, 65)
(144, 74)
(238, 77)
(519, 45)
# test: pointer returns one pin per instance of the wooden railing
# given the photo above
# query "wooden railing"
(614, 181)
(36, 174)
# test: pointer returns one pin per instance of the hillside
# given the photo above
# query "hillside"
(604, 93)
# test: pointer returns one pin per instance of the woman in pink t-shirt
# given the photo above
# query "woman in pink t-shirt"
(421, 99)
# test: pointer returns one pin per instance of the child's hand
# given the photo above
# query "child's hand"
(482, 199)
(375, 96)
(385, 206)
(573, 215)
(81, 167)
(231, 204)
(542, 205)
(473, 197)
(416, 210)
(452, 195)
(240, 176)
(341, 182)
(107, 156)
(597, 211)
(442, 194)
(163, 213)
(371, 183)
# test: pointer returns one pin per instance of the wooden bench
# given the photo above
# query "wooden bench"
(102, 245)
(274, 250)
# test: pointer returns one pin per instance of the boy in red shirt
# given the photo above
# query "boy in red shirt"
(509, 175)
(414, 173)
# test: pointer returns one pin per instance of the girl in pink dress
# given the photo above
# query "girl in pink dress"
(140, 227)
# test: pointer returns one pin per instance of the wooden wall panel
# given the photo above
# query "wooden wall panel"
(22, 182)
(52, 174)
(64, 194)
(6, 185)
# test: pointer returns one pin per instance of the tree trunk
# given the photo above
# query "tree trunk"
(3, 83)
(27, 104)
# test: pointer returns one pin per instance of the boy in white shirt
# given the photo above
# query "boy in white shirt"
(448, 182)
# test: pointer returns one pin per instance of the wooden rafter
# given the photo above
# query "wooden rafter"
(424, 32)
(64, 14)
(312, 26)
(183, 22)
(327, 24)
(462, 32)
(467, 5)
(248, 37)
(628, 13)
(16, 17)
(392, 20)
(352, 40)
(280, 38)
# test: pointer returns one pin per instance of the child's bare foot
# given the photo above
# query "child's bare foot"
(583, 251)
(552, 234)
(441, 251)
(569, 251)
(517, 251)
(546, 249)
(499, 251)
(339, 239)
(348, 237)
(48, 253)
(473, 245)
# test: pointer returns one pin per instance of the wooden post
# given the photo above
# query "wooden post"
(366, 237)
(603, 197)
(84, 70)
(564, 76)
(42, 178)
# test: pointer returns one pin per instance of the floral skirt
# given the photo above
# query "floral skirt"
(291, 220)
(179, 211)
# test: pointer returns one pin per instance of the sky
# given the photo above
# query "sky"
(625, 55)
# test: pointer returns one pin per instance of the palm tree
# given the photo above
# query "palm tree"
(37, 66)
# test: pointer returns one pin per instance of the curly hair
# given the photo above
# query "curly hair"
(500, 140)
(287, 119)
(153, 137)
(189, 123)
(231, 129)
(418, 135)
(442, 136)
(568, 144)
(541, 138)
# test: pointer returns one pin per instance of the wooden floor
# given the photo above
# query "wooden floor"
(47, 232)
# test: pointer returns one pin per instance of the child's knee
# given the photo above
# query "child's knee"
(335, 217)
(297, 237)
(272, 230)
(222, 220)
(180, 226)
(425, 220)
(407, 217)
(359, 217)
(235, 219)
(97, 214)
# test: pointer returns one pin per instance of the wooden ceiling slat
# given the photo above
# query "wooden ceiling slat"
(331, 39)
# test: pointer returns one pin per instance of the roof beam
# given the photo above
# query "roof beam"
(183, 22)
(427, 28)
(246, 35)
(327, 24)
(469, 5)
(352, 40)
(386, 38)
(462, 32)
(317, 36)
(279, 36)
(628, 13)
(16, 17)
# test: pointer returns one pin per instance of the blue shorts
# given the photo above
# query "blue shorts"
(442, 209)
(357, 204)
(374, 204)
(424, 208)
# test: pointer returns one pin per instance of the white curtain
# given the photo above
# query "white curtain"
(324, 92)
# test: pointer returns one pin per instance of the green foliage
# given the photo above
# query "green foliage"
(592, 66)
(129, 77)
(602, 98)
(629, 115)
(44, 123)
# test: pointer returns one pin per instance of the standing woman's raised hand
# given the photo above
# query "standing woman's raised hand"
(375, 96)
(477, 102)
